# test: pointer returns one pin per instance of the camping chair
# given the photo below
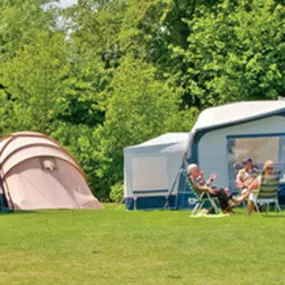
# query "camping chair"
(268, 192)
(201, 198)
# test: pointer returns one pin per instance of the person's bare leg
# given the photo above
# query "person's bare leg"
(250, 207)
(241, 198)
(246, 195)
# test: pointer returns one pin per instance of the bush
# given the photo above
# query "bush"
(117, 192)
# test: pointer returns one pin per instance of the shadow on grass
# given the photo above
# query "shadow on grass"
(17, 212)
(174, 277)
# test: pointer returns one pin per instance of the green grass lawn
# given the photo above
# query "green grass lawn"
(156, 247)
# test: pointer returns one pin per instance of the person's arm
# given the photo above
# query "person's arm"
(202, 178)
(202, 188)
(212, 178)
(239, 181)
(255, 184)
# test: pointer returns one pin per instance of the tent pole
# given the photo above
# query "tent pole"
(172, 188)
(184, 162)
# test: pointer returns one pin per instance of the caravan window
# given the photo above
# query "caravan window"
(260, 148)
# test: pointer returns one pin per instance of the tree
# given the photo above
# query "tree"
(20, 23)
(235, 53)
(138, 108)
(102, 75)
(34, 85)
(113, 29)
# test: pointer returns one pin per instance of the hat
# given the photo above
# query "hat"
(246, 160)
(268, 164)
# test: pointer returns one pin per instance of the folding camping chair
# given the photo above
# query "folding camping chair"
(268, 192)
(201, 198)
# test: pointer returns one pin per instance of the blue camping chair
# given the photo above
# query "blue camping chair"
(201, 198)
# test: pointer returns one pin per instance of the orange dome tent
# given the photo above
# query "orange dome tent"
(37, 173)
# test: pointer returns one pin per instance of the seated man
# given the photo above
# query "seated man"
(246, 175)
(199, 184)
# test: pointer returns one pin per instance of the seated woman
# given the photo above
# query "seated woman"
(226, 200)
(268, 177)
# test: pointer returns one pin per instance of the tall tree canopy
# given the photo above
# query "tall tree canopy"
(102, 75)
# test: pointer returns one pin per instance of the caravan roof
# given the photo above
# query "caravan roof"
(164, 139)
(237, 113)
(179, 140)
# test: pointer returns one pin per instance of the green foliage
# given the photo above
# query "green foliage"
(113, 29)
(138, 107)
(117, 192)
(103, 75)
(34, 85)
(20, 23)
(235, 52)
